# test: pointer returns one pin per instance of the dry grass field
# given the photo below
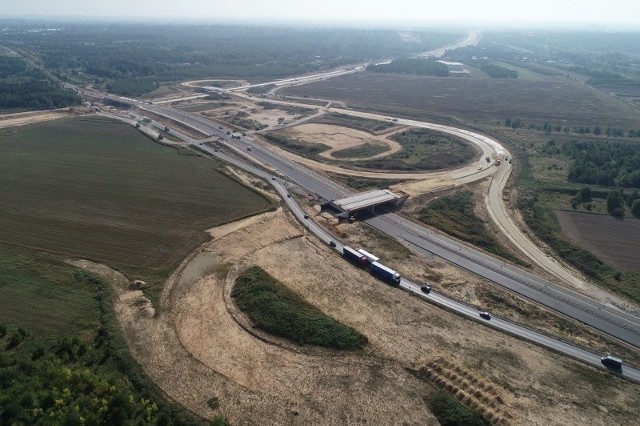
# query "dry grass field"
(488, 100)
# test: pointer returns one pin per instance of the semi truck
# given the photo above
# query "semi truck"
(387, 274)
(370, 258)
(354, 256)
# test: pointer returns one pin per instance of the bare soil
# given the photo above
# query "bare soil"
(341, 137)
(613, 240)
(24, 118)
(201, 353)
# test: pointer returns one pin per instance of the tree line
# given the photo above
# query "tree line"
(603, 163)
(415, 66)
(99, 53)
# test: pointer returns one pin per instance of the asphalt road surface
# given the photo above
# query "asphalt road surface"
(622, 326)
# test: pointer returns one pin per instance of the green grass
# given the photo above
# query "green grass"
(261, 89)
(454, 215)
(77, 368)
(362, 183)
(450, 412)
(98, 189)
(360, 123)
(275, 309)
(246, 123)
(296, 145)
(361, 151)
(424, 149)
(40, 294)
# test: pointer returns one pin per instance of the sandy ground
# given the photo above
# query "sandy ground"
(201, 352)
(21, 119)
(250, 110)
(340, 137)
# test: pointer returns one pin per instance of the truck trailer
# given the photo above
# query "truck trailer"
(387, 274)
(354, 256)
(370, 258)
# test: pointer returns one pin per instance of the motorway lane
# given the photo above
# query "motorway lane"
(434, 297)
(520, 281)
(615, 323)
(536, 337)
(618, 324)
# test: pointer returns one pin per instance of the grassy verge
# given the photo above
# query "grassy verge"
(365, 124)
(363, 183)
(275, 309)
(297, 146)
(424, 149)
(361, 151)
(62, 358)
(450, 412)
(256, 90)
(454, 215)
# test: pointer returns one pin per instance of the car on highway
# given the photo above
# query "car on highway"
(485, 315)
(332, 244)
(273, 178)
(611, 361)
(248, 148)
(288, 195)
(426, 289)
(306, 216)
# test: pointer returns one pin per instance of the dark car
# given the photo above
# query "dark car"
(332, 244)
(288, 195)
(426, 289)
(306, 216)
(485, 315)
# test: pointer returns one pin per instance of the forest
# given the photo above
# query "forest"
(604, 163)
(416, 66)
(123, 56)
(27, 88)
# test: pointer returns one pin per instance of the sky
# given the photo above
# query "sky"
(355, 12)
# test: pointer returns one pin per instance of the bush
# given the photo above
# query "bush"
(450, 412)
(275, 309)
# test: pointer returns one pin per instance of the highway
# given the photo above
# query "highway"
(609, 321)
(433, 297)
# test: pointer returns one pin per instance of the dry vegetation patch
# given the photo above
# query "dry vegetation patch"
(198, 352)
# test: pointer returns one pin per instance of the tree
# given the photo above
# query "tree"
(615, 204)
(635, 208)
(632, 197)
(585, 194)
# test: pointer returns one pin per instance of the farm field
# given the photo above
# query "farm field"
(98, 189)
(489, 100)
(614, 241)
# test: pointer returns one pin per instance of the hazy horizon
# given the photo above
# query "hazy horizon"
(589, 14)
